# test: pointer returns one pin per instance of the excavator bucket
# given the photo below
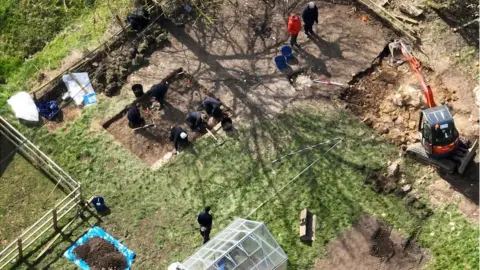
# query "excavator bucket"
(468, 157)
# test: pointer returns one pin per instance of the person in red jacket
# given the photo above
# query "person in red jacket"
(294, 26)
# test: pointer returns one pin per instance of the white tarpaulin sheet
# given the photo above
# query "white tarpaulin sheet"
(78, 87)
(24, 106)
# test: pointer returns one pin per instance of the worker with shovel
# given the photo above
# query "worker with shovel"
(205, 220)
(179, 137)
(196, 120)
(134, 117)
(159, 91)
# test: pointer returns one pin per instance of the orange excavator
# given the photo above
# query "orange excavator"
(440, 143)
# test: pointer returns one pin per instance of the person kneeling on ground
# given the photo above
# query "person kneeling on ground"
(134, 117)
(179, 137)
(205, 220)
(159, 91)
(196, 120)
(139, 20)
(213, 107)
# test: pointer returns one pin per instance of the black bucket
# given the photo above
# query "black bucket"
(137, 90)
(227, 123)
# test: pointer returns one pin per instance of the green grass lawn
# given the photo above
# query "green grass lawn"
(23, 198)
(79, 27)
(154, 213)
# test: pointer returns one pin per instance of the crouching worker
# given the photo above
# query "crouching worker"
(134, 117)
(159, 91)
(139, 20)
(179, 137)
(196, 121)
(213, 107)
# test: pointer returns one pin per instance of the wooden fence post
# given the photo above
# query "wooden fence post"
(120, 22)
(81, 194)
(55, 221)
(20, 249)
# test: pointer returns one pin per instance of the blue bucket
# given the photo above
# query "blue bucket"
(99, 204)
(287, 52)
(280, 61)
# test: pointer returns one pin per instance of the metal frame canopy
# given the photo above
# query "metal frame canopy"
(242, 245)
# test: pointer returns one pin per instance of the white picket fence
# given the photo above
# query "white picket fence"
(50, 220)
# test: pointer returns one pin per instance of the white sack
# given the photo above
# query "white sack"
(24, 106)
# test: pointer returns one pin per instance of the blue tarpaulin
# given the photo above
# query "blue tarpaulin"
(47, 108)
(98, 232)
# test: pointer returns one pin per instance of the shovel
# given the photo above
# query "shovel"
(331, 83)
(144, 127)
(219, 143)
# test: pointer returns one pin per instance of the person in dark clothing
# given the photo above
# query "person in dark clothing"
(205, 220)
(139, 20)
(159, 91)
(213, 107)
(134, 117)
(310, 16)
(196, 120)
(179, 137)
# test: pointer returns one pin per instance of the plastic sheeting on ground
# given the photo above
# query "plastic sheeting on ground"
(78, 87)
(48, 108)
(98, 232)
(24, 106)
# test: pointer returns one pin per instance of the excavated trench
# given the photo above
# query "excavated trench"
(389, 99)
(109, 67)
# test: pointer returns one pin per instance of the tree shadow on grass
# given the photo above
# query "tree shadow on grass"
(7, 153)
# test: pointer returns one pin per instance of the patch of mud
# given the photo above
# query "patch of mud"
(372, 244)
(68, 114)
(101, 254)
(389, 99)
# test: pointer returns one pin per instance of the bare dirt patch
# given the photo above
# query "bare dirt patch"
(372, 244)
(184, 95)
(235, 55)
(375, 99)
(98, 253)
(68, 114)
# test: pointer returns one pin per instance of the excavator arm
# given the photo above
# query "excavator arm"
(417, 67)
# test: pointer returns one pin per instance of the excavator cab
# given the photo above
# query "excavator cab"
(437, 131)
(440, 143)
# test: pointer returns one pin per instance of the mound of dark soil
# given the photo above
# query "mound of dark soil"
(382, 245)
(101, 254)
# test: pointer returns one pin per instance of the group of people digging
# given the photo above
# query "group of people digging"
(309, 16)
(196, 121)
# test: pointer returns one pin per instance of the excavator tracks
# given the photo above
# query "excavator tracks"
(459, 159)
